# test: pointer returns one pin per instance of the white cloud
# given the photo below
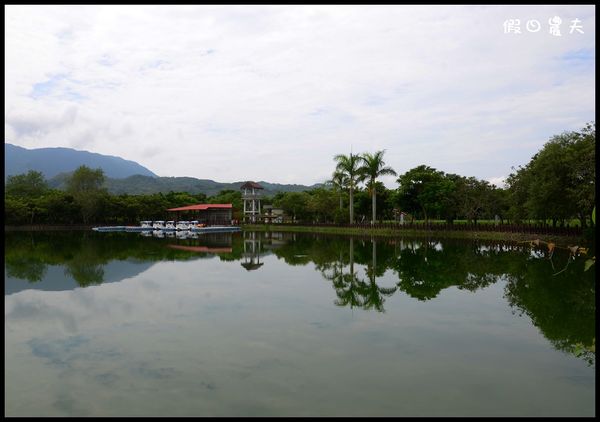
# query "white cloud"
(274, 92)
(498, 181)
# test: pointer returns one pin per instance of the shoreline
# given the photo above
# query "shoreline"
(361, 231)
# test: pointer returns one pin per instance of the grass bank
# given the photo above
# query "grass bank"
(360, 231)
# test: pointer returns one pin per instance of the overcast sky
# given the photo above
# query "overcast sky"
(272, 93)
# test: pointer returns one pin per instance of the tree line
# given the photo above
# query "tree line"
(557, 185)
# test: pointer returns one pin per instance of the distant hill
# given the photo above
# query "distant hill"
(53, 161)
(137, 185)
(122, 176)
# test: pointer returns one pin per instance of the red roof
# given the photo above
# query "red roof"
(200, 249)
(199, 207)
(251, 185)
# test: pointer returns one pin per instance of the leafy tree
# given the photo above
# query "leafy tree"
(26, 189)
(321, 205)
(475, 197)
(372, 168)
(558, 183)
(294, 204)
(16, 211)
(181, 199)
(581, 157)
(29, 185)
(423, 189)
(229, 196)
(57, 207)
(452, 203)
(85, 185)
(518, 187)
(498, 203)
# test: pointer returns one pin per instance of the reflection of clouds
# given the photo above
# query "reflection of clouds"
(91, 299)
(57, 352)
(37, 311)
(144, 370)
(69, 405)
(106, 378)
(151, 285)
(68, 352)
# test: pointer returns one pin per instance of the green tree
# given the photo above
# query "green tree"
(558, 183)
(321, 205)
(85, 184)
(29, 185)
(475, 197)
(294, 204)
(16, 211)
(349, 165)
(228, 196)
(423, 189)
(372, 168)
(581, 156)
(27, 189)
(518, 186)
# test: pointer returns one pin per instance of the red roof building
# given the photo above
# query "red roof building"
(207, 214)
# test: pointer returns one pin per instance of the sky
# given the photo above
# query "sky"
(273, 93)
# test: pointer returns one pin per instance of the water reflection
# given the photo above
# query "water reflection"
(252, 250)
(84, 256)
(363, 272)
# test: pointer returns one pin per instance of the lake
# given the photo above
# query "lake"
(284, 324)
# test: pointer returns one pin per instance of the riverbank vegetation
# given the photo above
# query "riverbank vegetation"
(556, 187)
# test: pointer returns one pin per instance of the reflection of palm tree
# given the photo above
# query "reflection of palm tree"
(349, 291)
(348, 286)
(335, 268)
(372, 292)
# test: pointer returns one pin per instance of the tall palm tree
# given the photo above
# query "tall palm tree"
(338, 180)
(348, 165)
(373, 167)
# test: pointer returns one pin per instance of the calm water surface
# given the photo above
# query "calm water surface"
(287, 324)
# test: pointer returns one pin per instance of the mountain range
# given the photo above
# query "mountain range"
(53, 161)
(122, 176)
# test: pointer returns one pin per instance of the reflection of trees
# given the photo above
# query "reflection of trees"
(561, 306)
(348, 287)
(425, 268)
(85, 268)
(373, 293)
(85, 253)
(26, 267)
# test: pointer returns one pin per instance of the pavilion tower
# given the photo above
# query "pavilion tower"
(251, 195)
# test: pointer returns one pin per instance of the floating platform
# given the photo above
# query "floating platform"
(208, 229)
